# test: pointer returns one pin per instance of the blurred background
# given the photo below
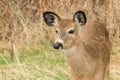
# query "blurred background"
(26, 41)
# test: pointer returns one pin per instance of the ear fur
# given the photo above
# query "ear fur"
(80, 18)
(51, 18)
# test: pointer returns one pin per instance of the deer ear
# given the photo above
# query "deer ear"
(51, 18)
(80, 18)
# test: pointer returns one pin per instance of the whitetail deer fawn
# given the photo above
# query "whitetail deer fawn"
(85, 43)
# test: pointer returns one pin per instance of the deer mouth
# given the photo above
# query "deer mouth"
(69, 50)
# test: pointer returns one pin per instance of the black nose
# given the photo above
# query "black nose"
(57, 45)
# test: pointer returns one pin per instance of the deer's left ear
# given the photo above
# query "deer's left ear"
(80, 18)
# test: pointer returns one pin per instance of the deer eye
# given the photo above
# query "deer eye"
(56, 31)
(71, 32)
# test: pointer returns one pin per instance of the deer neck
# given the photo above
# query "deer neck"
(76, 58)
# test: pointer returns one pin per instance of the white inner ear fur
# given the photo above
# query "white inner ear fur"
(55, 20)
(77, 21)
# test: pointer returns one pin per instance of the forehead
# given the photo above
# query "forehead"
(65, 24)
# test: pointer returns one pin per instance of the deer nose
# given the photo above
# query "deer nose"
(57, 45)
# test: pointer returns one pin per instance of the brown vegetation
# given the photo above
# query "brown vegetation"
(21, 21)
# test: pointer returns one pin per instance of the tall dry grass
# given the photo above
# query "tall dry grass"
(21, 20)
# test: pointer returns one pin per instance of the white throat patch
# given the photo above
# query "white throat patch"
(70, 50)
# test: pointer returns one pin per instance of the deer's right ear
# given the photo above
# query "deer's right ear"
(51, 18)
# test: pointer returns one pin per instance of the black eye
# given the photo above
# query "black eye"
(56, 31)
(71, 32)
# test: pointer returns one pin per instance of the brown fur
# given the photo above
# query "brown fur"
(89, 61)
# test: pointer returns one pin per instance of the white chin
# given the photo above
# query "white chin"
(69, 50)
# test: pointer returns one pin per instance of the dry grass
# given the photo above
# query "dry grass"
(115, 64)
(21, 21)
(45, 64)
(22, 27)
(41, 64)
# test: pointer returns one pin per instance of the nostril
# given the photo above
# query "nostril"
(61, 46)
(57, 45)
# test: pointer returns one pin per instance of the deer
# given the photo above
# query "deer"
(85, 44)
